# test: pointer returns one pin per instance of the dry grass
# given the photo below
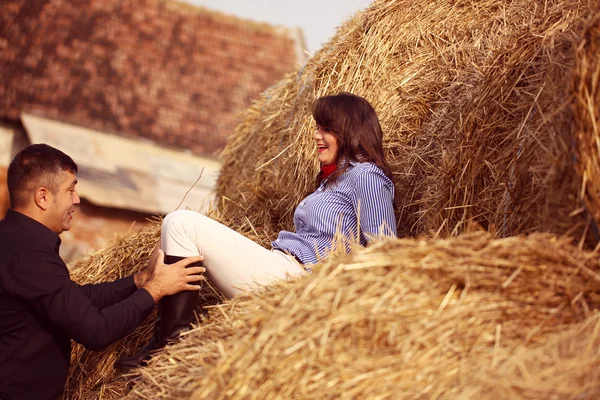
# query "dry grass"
(406, 318)
(566, 367)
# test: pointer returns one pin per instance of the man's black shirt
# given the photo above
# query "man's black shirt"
(41, 309)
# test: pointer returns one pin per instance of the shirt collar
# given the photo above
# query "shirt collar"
(44, 234)
(351, 163)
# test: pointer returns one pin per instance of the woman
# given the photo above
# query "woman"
(354, 197)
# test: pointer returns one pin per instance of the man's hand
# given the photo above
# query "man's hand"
(169, 279)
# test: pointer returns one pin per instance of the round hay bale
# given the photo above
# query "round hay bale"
(587, 118)
(474, 100)
(403, 318)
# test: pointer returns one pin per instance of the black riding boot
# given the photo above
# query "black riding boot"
(175, 314)
(176, 311)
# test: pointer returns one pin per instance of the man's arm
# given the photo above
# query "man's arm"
(43, 281)
(106, 294)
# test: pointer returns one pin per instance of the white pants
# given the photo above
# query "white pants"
(233, 262)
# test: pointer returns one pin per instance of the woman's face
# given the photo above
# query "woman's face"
(327, 146)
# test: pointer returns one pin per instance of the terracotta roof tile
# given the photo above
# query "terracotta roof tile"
(155, 69)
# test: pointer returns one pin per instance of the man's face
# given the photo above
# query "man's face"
(62, 204)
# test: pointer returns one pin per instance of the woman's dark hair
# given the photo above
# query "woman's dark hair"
(354, 123)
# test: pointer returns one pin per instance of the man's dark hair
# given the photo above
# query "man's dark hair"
(35, 166)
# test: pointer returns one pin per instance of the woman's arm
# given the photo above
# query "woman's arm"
(374, 204)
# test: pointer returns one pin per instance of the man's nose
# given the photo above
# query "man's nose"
(76, 199)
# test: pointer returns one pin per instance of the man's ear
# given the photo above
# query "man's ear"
(42, 198)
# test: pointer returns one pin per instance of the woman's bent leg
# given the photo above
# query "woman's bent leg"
(233, 262)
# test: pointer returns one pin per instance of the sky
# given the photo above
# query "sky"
(317, 18)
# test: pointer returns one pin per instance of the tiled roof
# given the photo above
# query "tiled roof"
(156, 69)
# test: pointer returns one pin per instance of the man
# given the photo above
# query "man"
(41, 309)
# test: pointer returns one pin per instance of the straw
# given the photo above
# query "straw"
(403, 318)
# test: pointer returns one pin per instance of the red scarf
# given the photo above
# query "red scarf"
(327, 170)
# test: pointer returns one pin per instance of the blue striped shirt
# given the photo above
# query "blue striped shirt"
(362, 197)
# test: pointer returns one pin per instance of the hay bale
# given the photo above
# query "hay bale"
(587, 118)
(403, 318)
(474, 100)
